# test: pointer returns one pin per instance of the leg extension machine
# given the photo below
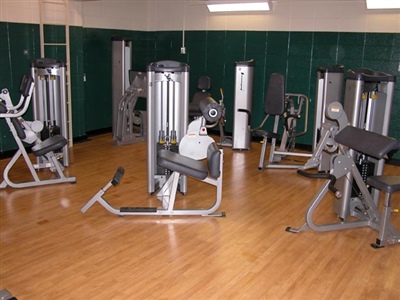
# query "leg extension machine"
(180, 165)
(196, 145)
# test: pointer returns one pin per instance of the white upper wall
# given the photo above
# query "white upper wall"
(159, 15)
(27, 11)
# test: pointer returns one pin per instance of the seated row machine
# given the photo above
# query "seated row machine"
(195, 146)
(289, 107)
(366, 211)
(24, 131)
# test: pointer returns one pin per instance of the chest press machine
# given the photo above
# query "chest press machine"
(196, 145)
(348, 139)
(26, 132)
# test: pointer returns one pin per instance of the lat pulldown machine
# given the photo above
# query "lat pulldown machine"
(291, 108)
(24, 131)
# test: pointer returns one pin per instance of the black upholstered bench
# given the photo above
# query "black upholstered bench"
(378, 146)
(388, 184)
(191, 167)
(51, 144)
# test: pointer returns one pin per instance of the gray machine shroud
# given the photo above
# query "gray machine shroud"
(50, 101)
(368, 104)
(244, 73)
(168, 113)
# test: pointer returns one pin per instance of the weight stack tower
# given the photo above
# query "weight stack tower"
(329, 88)
(367, 103)
(121, 65)
(168, 113)
(50, 102)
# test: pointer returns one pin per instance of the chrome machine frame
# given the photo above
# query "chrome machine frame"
(168, 114)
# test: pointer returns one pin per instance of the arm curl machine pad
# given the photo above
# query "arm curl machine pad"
(367, 142)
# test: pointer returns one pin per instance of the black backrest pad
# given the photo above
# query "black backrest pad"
(204, 83)
(274, 102)
(367, 142)
(3, 108)
(213, 160)
(25, 85)
(17, 125)
(18, 128)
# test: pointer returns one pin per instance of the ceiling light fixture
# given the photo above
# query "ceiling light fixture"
(383, 4)
(242, 6)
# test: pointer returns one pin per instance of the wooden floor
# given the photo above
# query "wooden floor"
(50, 250)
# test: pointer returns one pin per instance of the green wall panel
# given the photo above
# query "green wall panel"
(77, 81)
(20, 44)
(214, 53)
(97, 57)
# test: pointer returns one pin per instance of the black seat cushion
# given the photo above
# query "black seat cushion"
(266, 134)
(52, 143)
(182, 164)
(387, 183)
(367, 142)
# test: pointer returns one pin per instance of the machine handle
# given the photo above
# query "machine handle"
(330, 177)
(248, 115)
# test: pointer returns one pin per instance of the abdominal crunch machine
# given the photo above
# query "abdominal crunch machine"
(26, 132)
(194, 146)
(342, 164)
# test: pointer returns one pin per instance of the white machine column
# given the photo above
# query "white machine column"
(244, 73)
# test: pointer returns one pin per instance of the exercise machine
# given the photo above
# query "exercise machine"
(203, 91)
(204, 86)
(27, 132)
(50, 103)
(195, 146)
(335, 121)
(329, 89)
(224, 140)
(365, 210)
(6, 295)
(288, 107)
(121, 61)
(244, 74)
(132, 123)
(368, 99)
(167, 107)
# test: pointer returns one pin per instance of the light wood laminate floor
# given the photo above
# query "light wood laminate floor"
(50, 250)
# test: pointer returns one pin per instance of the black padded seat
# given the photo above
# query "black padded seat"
(367, 142)
(386, 183)
(182, 164)
(52, 143)
(266, 134)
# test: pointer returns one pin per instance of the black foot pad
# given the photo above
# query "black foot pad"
(138, 209)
